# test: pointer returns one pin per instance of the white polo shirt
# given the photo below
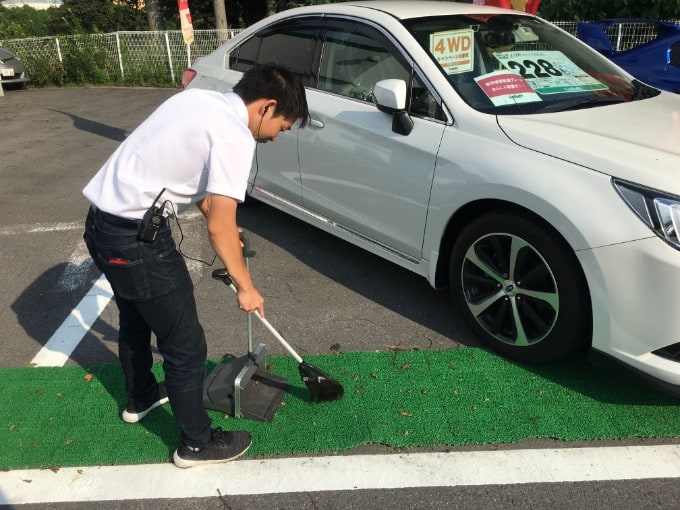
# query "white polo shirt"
(196, 143)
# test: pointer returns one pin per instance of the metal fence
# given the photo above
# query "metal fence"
(160, 57)
(120, 56)
(623, 36)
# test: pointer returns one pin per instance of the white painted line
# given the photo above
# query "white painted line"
(188, 215)
(340, 473)
(40, 228)
(66, 338)
(64, 341)
(78, 267)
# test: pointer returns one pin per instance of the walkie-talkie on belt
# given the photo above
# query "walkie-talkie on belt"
(151, 222)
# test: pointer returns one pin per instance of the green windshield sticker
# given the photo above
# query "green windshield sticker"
(549, 72)
(454, 50)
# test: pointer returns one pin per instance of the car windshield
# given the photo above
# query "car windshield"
(516, 64)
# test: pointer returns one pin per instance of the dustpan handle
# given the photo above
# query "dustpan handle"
(273, 331)
(222, 274)
(278, 336)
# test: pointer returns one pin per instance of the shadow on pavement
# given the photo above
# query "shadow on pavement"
(94, 127)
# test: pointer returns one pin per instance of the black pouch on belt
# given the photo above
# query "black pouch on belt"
(151, 223)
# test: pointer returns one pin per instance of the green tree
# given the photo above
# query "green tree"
(95, 16)
(568, 10)
(239, 13)
(153, 15)
(221, 17)
(202, 13)
(18, 22)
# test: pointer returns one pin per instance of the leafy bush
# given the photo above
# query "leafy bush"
(24, 22)
(86, 62)
(45, 72)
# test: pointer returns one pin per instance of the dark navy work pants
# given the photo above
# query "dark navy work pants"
(154, 293)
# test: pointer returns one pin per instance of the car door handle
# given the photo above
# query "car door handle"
(316, 123)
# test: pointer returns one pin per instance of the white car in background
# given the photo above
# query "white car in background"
(489, 151)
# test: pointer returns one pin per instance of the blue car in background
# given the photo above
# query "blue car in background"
(648, 49)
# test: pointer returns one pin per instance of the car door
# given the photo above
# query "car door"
(293, 44)
(356, 171)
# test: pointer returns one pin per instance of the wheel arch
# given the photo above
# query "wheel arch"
(475, 209)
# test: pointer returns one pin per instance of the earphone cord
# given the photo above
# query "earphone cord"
(181, 238)
(179, 227)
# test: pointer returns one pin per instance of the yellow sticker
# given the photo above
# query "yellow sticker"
(454, 50)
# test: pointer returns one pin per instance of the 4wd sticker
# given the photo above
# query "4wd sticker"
(549, 72)
(454, 50)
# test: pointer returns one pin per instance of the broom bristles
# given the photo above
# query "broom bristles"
(323, 388)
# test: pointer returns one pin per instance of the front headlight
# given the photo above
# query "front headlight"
(660, 211)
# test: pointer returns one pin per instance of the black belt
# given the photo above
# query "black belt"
(112, 219)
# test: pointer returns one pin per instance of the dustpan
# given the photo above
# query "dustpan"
(243, 389)
(242, 386)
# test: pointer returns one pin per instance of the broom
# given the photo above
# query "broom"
(323, 387)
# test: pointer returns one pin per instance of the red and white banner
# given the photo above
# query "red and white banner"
(185, 21)
(519, 5)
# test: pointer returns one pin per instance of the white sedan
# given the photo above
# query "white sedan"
(489, 151)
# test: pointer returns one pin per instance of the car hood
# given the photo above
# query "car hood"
(635, 141)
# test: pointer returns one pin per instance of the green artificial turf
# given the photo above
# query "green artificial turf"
(70, 416)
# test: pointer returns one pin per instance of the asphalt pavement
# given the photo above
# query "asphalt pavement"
(323, 294)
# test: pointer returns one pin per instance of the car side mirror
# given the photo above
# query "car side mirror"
(390, 97)
(674, 55)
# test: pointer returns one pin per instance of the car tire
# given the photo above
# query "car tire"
(520, 288)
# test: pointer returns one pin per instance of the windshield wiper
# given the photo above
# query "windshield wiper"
(577, 104)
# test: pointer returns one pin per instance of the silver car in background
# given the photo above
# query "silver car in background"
(488, 151)
(12, 70)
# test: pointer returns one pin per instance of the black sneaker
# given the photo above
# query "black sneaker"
(135, 412)
(223, 447)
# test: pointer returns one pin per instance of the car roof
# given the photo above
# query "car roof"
(664, 29)
(402, 9)
(651, 21)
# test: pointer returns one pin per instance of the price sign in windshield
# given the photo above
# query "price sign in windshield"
(453, 50)
(504, 88)
(549, 72)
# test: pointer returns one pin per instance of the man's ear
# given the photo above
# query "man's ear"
(269, 105)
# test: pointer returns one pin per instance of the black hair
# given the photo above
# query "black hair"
(275, 81)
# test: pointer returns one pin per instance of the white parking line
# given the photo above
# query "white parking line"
(40, 228)
(340, 473)
(76, 270)
(66, 338)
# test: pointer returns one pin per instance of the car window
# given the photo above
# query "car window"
(423, 103)
(352, 63)
(245, 56)
(519, 64)
(292, 46)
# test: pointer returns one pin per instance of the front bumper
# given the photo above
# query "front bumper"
(635, 292)
(17, 77)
